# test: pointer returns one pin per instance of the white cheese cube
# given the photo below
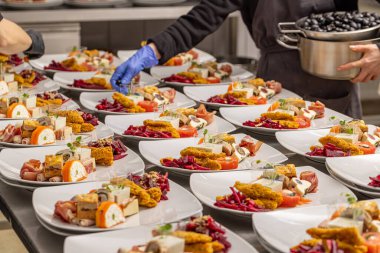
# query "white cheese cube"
(160, 100)
(131, 208)
(310, 114)
(167, 244)
(82, 153)
(342, 222)
(13, 86)
(249, 92)
(36, 112)
(202, 72)
(58, 122)
(136, 98)
(292, 113)
(351, 138)
(9, 77)
(80, 59)
(31, 102)
(119, 196)
(215, 148)
(198, 123)
(274, 185)
(4, 89)
(172, 120)
(67, 132)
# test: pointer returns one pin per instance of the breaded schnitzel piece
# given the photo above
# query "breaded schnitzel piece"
(135, 109)
(103, 156)
(257, 191)
(288, 123)
(266, 204)
(208, 163)
(344, 145)
(201, 153)
(349, 235)
(200, 248)
(288, 170)
(87, 127)
(157, 123)
(161, 126)
(192, 237)
(75, 127)
(278, 116)
(71, 116)
(123, 100)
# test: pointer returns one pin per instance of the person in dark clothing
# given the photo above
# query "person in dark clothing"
(14, 40)
(261, 18)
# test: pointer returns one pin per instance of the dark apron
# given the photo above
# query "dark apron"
(284, 65)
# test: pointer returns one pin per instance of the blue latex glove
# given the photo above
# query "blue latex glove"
(144, 58)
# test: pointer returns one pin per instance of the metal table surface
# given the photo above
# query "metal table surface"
(16, 204)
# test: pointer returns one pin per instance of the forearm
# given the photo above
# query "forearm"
(13, 39)
(192, 28)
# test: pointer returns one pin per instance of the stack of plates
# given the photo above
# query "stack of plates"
(156, 2)
(355, 172)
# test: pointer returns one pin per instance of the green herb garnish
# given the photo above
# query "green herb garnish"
(165, 229)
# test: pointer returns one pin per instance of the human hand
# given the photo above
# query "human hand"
(143, 58)
(369, 63)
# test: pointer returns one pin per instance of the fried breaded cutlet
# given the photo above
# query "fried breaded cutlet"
(341, 245)
(44, 102)
(135, 109)
(192, 237)
(201, 153)
(248, 101)
(344, 145)
(349, 235)
(288, 123)
(278, 116)
(123, 100)
(87, 127)
(261, 194)
(103, 156)
(75, 127)
(236, 94)
(209, 163)
(288, 170)
(71, 116)
(199, 248)
(161, 126)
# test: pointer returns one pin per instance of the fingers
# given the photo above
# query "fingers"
(361, 77)
(351, 65)
(119, 72)
(360, 48)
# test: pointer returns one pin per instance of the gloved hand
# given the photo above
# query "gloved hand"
(144, 58)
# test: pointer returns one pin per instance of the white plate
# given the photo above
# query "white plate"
(347, 168)
(202, 94)
(300, 142)
(110, 242)
(46, 59)
(101, 131)
(202, 56)
(328, 189)
(11, 164)
(155, 151)
(239, 115)
(287, 228)
(91, 100)
(181, 204)
(34, 5)
(66, 79)
(156, 2)
(238, 73)
(44, 85)
(98, 3)
(121, 123)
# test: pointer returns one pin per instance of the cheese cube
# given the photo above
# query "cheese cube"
(172, 120)
(30, 102)
(80, 59)
(67, 132)
(9, 77)
(82, 153)
(215, 148)
(36, 112)
(136, 98)
(202, 72)
(274, 185)
(13, 86)
(351, 138)
(285, 111)
(58, 122)
(198, 123)
(3, 88)
(160, 100)
(167, 244)
(310, 114)
(342, 222)
(249, 91)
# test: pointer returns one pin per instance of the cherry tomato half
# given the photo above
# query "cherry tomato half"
(187, 131)
(228, 163)
(367, 147)
(303, 122)
(149, 106)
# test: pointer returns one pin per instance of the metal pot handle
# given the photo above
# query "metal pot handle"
(282, 29)
(282, 39)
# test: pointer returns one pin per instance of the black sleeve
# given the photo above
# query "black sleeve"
(346, 5)
(37, 49)
(192, 28)
(1, 17)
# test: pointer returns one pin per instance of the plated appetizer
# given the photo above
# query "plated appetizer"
(199, 235)
(75, 163)
(350, 229)
(13, 82)
(349, 138)
(250, 92)
(205, 73)
(50, 98)
(83, 61)
(146, 99)
(214, 152)
(60, 125)
(11, 60)
(109, 205)
(290, 113)
(182, 58)
(178, 123)
(275, 188)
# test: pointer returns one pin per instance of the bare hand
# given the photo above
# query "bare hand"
(369, 63)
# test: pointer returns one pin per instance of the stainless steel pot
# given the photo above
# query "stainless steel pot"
(321, 58)
(295, 28)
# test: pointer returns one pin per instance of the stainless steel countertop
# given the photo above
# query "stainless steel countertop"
(16, 204)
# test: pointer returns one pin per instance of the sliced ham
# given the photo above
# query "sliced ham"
(312, 178)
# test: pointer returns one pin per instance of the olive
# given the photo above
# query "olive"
(372, 19)
(353, 25)
(373, 24)
(352, 29)
(365, 22)
(314, 22)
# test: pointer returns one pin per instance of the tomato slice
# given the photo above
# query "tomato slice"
(259, 100)
(228, 162)
(290, 200)
(303, 122)
(149, 106)
(187, 131)
(372, 241)
(367, 147)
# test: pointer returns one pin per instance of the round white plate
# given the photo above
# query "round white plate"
(328, 189)
(110, 242)
(155, 151)
(239, 115)
(202, 94)
(46, 59)
(238, 73)
(101, 132)
(287, 228)
(119, 124)
(66, 79)
(181, 204)
(91, 100)
(202, 57)
(11, 164)
(34, 5)
(356, 169)
(300, 142)
(97, 3)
